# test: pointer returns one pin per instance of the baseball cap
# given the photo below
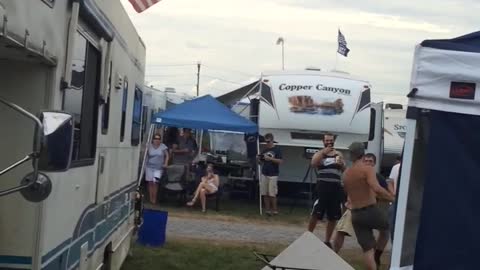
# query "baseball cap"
(357, 149)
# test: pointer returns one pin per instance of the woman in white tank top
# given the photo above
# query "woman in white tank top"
(157, 160)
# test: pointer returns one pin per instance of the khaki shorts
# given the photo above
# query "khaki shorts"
(268, 185)
(345, 224)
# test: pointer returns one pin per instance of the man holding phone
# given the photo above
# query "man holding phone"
(329, 190)
(270, 158)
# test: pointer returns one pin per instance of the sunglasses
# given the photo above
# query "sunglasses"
(156, 139)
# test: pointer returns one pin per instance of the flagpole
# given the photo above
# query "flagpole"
(336, 61)
(336, 53)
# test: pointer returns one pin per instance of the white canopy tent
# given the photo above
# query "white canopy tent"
(437, 214)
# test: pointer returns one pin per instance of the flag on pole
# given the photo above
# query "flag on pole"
(342, 44)
(142, 5)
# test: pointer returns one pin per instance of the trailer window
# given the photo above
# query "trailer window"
(124, 109)
(373, 116)
(106, 105)
(81, 99)
(306, 136)
(137, 117)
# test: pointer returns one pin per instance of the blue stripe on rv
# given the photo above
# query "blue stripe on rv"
(96, 233)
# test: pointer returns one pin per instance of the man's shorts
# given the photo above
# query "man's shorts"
(329, 203)
(344, 225)
(268, 185)
(364, 221)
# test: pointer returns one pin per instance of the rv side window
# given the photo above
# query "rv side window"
(124, 109)
(106, 106)
(137, 117)
(81, 99)
(373, 116)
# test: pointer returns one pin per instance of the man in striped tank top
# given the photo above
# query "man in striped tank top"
(329, 164)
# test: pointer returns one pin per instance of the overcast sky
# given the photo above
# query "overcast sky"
(235, 40)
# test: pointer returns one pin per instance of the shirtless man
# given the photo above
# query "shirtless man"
(362, 187)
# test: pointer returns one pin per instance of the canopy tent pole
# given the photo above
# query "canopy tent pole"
(144, 159)
(200, 144)
(259, 171)
(403, 186)
(259, 168)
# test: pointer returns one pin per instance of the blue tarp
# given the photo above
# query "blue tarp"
(466, 43)
(448, 234)
(205, 113)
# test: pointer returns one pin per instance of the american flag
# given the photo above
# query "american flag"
(342, 45)
(142, 5)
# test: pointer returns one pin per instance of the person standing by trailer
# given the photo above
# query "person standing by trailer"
(392, 187)
(362, 187)
(157, 160)
(270, 158)
(330, 194)
(344, 226)
(184, 152)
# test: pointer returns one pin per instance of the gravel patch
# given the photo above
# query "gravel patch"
(236, 231)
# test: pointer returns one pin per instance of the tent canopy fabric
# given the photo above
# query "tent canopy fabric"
(205, 113)
(446, 75)
(451, 186)
(466, 43)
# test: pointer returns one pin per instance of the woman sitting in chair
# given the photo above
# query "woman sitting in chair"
(208, 185)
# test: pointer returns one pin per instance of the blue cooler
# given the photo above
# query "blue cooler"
(152, 233)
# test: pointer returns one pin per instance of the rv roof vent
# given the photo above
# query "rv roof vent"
(394, 106)
(170, 90)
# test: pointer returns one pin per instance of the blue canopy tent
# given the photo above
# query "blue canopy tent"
(437, 213)
(205, 113)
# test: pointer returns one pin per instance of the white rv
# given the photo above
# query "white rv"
(80, 63)
(156, 100)
(299, 107)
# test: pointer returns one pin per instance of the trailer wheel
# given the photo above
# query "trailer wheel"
(107, 257)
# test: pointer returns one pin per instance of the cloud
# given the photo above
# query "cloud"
(240, 36)
(195, 45)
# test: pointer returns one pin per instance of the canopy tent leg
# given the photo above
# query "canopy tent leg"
(149, 139)
(402, 193)
(200, 144)
(259, 171)
(259, 168)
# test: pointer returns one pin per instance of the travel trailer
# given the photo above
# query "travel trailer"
(156, 100)
(72, 75)
(299, 107)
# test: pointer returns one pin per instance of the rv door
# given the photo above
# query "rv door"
(375, 137)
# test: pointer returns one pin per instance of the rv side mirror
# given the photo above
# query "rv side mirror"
(57, 143)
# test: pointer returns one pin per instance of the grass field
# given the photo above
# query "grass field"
(184, 254)
(181, 253)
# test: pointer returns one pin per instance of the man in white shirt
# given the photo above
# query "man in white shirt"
(392, 188)
(393, 178)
